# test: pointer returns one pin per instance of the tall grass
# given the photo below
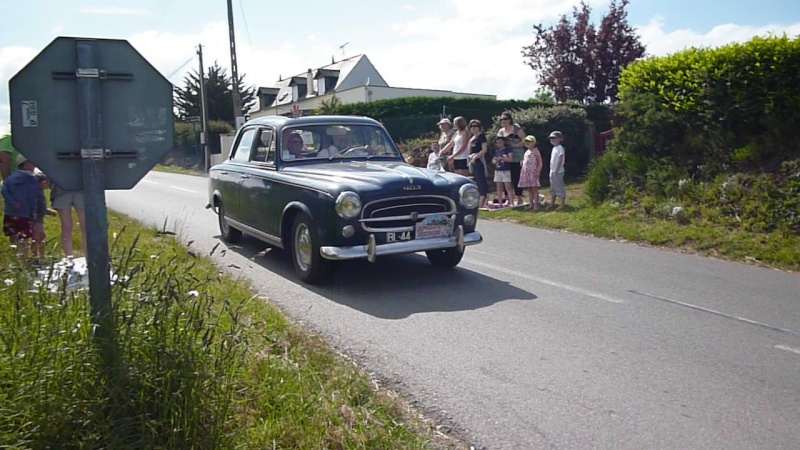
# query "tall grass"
(175, 365)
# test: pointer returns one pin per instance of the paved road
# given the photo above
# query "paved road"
(543, 339)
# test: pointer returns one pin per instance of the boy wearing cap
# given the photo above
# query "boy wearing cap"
(21, 195)
(557, 188)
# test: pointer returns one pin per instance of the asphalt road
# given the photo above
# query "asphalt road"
(543, 339)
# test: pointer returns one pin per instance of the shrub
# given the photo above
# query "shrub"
(606, 170)
(739, 93)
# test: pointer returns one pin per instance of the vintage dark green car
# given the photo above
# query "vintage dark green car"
(330, 188)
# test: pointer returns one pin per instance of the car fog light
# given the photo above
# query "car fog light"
(348, 231)
(469, 220)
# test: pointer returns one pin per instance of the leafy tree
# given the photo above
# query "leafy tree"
(576, 61)
(330, 105)
(219, 96)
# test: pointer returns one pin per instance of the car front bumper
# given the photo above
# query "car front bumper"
(371, 250)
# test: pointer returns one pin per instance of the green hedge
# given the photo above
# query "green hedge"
(744, 99)
(412, 117)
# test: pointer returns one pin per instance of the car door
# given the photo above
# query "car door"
(256, 194)
(232, 174)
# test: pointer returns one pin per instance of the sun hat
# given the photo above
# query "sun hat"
(530, 138)
(556, 134)
(445, 120)
(21, 159)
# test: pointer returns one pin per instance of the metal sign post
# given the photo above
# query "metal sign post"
(94, 180)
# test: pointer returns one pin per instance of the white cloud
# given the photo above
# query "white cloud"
(115, 11)
(660, 42)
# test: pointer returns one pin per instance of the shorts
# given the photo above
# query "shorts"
(68, 199)
(18, 227)
(502, 176)
(557, 188)
(460, 164)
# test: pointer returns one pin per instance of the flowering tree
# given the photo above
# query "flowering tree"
(577, 61)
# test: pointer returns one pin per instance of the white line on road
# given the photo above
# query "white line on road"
(557, 284)
(721, 314)
(788, 349)
(183, 189)
(151, 182)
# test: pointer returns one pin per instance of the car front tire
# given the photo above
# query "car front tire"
(228, 233)
(446, 258)
(309, 265)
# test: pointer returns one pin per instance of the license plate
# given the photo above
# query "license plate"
(399, 236)
(434, 227)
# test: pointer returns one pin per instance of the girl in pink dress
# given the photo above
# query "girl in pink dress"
(531, 169)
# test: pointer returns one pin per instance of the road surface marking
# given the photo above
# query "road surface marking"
(721, 314)
(535, 279)
(183, 189)
(151, 182)
(788, 349)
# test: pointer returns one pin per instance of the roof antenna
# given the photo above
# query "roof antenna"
(342, 48)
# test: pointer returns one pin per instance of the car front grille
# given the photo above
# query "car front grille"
(401, 213)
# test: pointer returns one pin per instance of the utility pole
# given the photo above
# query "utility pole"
(204, 109)
(237, 101)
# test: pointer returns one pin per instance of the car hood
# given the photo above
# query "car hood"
(383, 176)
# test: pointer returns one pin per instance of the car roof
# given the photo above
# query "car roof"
(281, 121)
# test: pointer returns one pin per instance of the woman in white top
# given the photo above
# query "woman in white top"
(459, 147)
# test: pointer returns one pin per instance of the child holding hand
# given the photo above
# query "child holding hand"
(434, 163)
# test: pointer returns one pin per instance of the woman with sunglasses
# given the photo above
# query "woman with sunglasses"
(478, 146)
(514, 135)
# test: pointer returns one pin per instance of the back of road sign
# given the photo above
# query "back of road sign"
(136, 120)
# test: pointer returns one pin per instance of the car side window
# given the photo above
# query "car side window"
(244, 147)
(265, 146)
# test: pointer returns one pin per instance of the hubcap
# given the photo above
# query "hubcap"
(302, 247)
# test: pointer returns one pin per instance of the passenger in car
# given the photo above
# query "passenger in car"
(340, 141)
(294, 147)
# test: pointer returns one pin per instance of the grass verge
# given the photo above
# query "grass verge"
(701, 235)
(178, 169)
(199, 362)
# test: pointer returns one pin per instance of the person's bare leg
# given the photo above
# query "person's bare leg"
(65, 216)
(82, 224)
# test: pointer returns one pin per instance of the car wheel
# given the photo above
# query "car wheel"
(229, 234)
(447, 258)
(310, 266)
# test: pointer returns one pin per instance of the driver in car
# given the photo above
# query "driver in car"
(340, 142)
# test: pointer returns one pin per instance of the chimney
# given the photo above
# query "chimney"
(310, 84)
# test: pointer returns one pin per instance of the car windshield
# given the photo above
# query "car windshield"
(329, 142)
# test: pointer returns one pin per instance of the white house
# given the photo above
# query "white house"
(352, 80)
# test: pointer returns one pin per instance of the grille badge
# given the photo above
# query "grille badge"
(412, 187)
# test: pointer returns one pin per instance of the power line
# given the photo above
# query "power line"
(180, 68)
(246, 29)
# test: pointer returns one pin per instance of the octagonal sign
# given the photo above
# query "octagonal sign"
(136, 122)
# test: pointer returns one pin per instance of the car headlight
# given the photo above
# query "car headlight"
(348, 205)
(469, 196)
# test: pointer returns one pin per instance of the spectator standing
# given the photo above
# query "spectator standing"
(20, 193)
(515, 134)
(531, 170)
(478, 146)
(502, 171)
(64, 202)
(8, 157)
(446, 133)
(557, 158)
(459, 147)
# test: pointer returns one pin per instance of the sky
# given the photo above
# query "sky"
(459, 45)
